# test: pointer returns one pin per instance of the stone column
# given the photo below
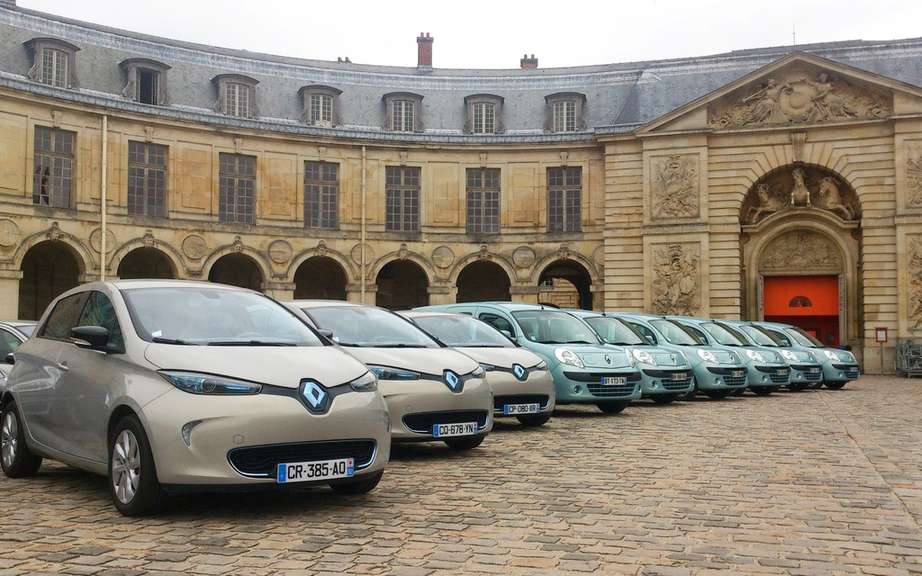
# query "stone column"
(524, 293)
(443, 294)
(9, 293)
(281, 291)
(354, 293)
(598, 297)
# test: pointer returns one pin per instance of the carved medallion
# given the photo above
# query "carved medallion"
(674, 186)
(914, 178)
(96, 240)
(356, 254)
(9, 233)
(523, 257)
(676, 282)
(801, 251)
(443, 257)
(915, 283)
(194, 246)
(279, 251)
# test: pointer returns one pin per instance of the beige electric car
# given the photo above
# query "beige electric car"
(167, 385)
(522, 386)
(433, 392)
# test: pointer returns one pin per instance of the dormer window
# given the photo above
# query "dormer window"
(145, 81)
(320, 105)
(565, 112)
(484, 114)
(53, 62)
(403, 112)
(236, 95)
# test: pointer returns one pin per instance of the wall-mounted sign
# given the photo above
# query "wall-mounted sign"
(880, 334)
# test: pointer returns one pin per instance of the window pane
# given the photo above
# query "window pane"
(321, 195)
(237, 188)
(402, 198)
(483, 200)
(52, 179)
(564, 198)
(64, 317)
(146, 179)
(99, 312)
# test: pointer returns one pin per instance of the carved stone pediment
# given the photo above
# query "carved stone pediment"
(801, 251)
(801, 93)
(800, 186)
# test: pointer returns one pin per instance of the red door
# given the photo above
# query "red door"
(809, 302)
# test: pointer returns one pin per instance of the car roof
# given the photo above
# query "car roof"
(152, 283)
(18, 323)
(637, 315)
(326, 304)
(430, 313)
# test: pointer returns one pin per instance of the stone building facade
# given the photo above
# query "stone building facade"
(766, 183)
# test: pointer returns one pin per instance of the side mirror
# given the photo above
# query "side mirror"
(9, 359)
(508, 335)
(92, 337)
(328, 334)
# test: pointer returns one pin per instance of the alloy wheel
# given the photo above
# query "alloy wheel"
(126, 466)
(9, 434)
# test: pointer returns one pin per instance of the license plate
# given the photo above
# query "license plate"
(678, 376)
(614, 380)
(814, 370)
(513, 409)
(462, 429)
(782, 372)
(320, 470)
(739, 373)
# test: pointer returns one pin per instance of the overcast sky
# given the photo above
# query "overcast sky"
(495, 34)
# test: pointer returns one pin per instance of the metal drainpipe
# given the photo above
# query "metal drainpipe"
(364, 189)
(104, 185)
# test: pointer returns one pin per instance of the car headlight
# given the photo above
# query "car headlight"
(541, 365)
(568, 356)
(755, 355)
(832, 355)
(388, 373)
(197, 383)
(707, 356)
(643, 357)
(487, 367)
(367, 382)
(788, 355)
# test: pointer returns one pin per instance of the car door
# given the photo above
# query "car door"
(89, 383)
(9, 342)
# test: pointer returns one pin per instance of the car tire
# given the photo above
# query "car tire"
(835, 385)
(132, 475)
(612, 407)
(665, 398)
(465, 442)
(718, 394)
(534, 420)
(357, 486)
(797, 386)
(17, 459)
(762, 390)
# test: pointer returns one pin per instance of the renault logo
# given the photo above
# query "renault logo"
(673, 358)
(607, 359)
(315, 396)
(452, 380)
(519, 372)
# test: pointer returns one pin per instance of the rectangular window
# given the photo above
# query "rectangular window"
(238, 100)
(404, 116)
(402, 198)
(237, 201)
(53, 176)
(321, 195)
(148, 86)
(483, 193)
(484, 118)
(321, 110)
(564, 199)
(147, 179)
(564, 116)
(54, 67)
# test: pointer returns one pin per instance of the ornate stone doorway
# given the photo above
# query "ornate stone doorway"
(320, 277)
(483, 281)
(237, 270)
(402, 285)
(145, 263)
(48, 269)
(801, 244)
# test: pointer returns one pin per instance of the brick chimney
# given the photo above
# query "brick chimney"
(424, 51)
(528, 62)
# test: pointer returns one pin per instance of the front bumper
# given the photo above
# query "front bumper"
(538, 388)
(240, 440)
(709, 377)
(769, 375)
(840, 372)
(584, 385)
(806, 373)
(415, 405)
(663, 380)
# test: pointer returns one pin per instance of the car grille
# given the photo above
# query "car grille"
(773, 373)
(808, 375)
(666, 378)
(500, 401)
(263, 460)
(729, 378)
(599, 389)
(422, 422)
(597, 376)
(851, 371)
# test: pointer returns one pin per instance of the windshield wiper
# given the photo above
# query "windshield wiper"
(175, 341)
(249, 343)
(398, 345)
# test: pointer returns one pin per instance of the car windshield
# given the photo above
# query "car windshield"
(777, 337)
(614, 331)
(554, 327)
(721, 335)
(202, 315)
(369, 327)
(26, 329)
(758, 336)
(674, 333)
(460, 330)
(803, 338)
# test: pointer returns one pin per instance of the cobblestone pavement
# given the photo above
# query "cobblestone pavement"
(819, 482)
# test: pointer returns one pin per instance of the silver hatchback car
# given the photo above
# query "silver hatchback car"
(177, 386)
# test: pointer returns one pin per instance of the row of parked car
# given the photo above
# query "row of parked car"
(169, 386)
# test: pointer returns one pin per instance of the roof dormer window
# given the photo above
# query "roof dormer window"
(565, 112)
(403, 112)
(236, 95)
(53, 62)
(483, 114)
(145, 81)
(320, 105)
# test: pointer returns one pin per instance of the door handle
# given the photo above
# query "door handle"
(62, 365)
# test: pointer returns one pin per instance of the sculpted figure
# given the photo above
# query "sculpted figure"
(766, 107)
(800, 194)
(830, 198)
(768, 203)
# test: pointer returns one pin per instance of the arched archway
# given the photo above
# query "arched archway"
(402, 285)
(482, 281)
(566, 283)
(49, 269)
(236, 270)
(145, 263)
(320, 277)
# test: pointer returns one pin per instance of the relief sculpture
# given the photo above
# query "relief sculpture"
(915, 284)
(800, 187)
(675, 281)
(801, 251)
(914, 179)
(675, 187)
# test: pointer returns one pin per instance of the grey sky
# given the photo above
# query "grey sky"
(495, 34)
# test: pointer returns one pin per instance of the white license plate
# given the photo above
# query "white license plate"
(814, 370)
(446, 430)
(782, 372)
(678, 375)
(310, 471)
(614, 381)
(514, 409)
(739, 373)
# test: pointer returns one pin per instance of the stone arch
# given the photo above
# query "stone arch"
(402, 283)
(817, 187)
(84, 255)
(566, 282)
(404, 254)
(546, 261)
(483, 280)
(500, 261)
(146, 262)
(49, 268)
(320, 278)
(170, 253)
(348, 268)
(238, 269)
(238, 248)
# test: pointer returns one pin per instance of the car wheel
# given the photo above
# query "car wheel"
(797, 386)
(718, 394)
(762, 390)
(465, 442)
(132, 475)
(835, 385)
(360, 485)
(17, 460)
(535, 420)
(612, 407)
(665, 398)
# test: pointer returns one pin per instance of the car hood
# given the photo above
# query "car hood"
(602, 357)
(275, 365)
(423, 360)
(502, 357)
(771, 355)
(664, 357)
